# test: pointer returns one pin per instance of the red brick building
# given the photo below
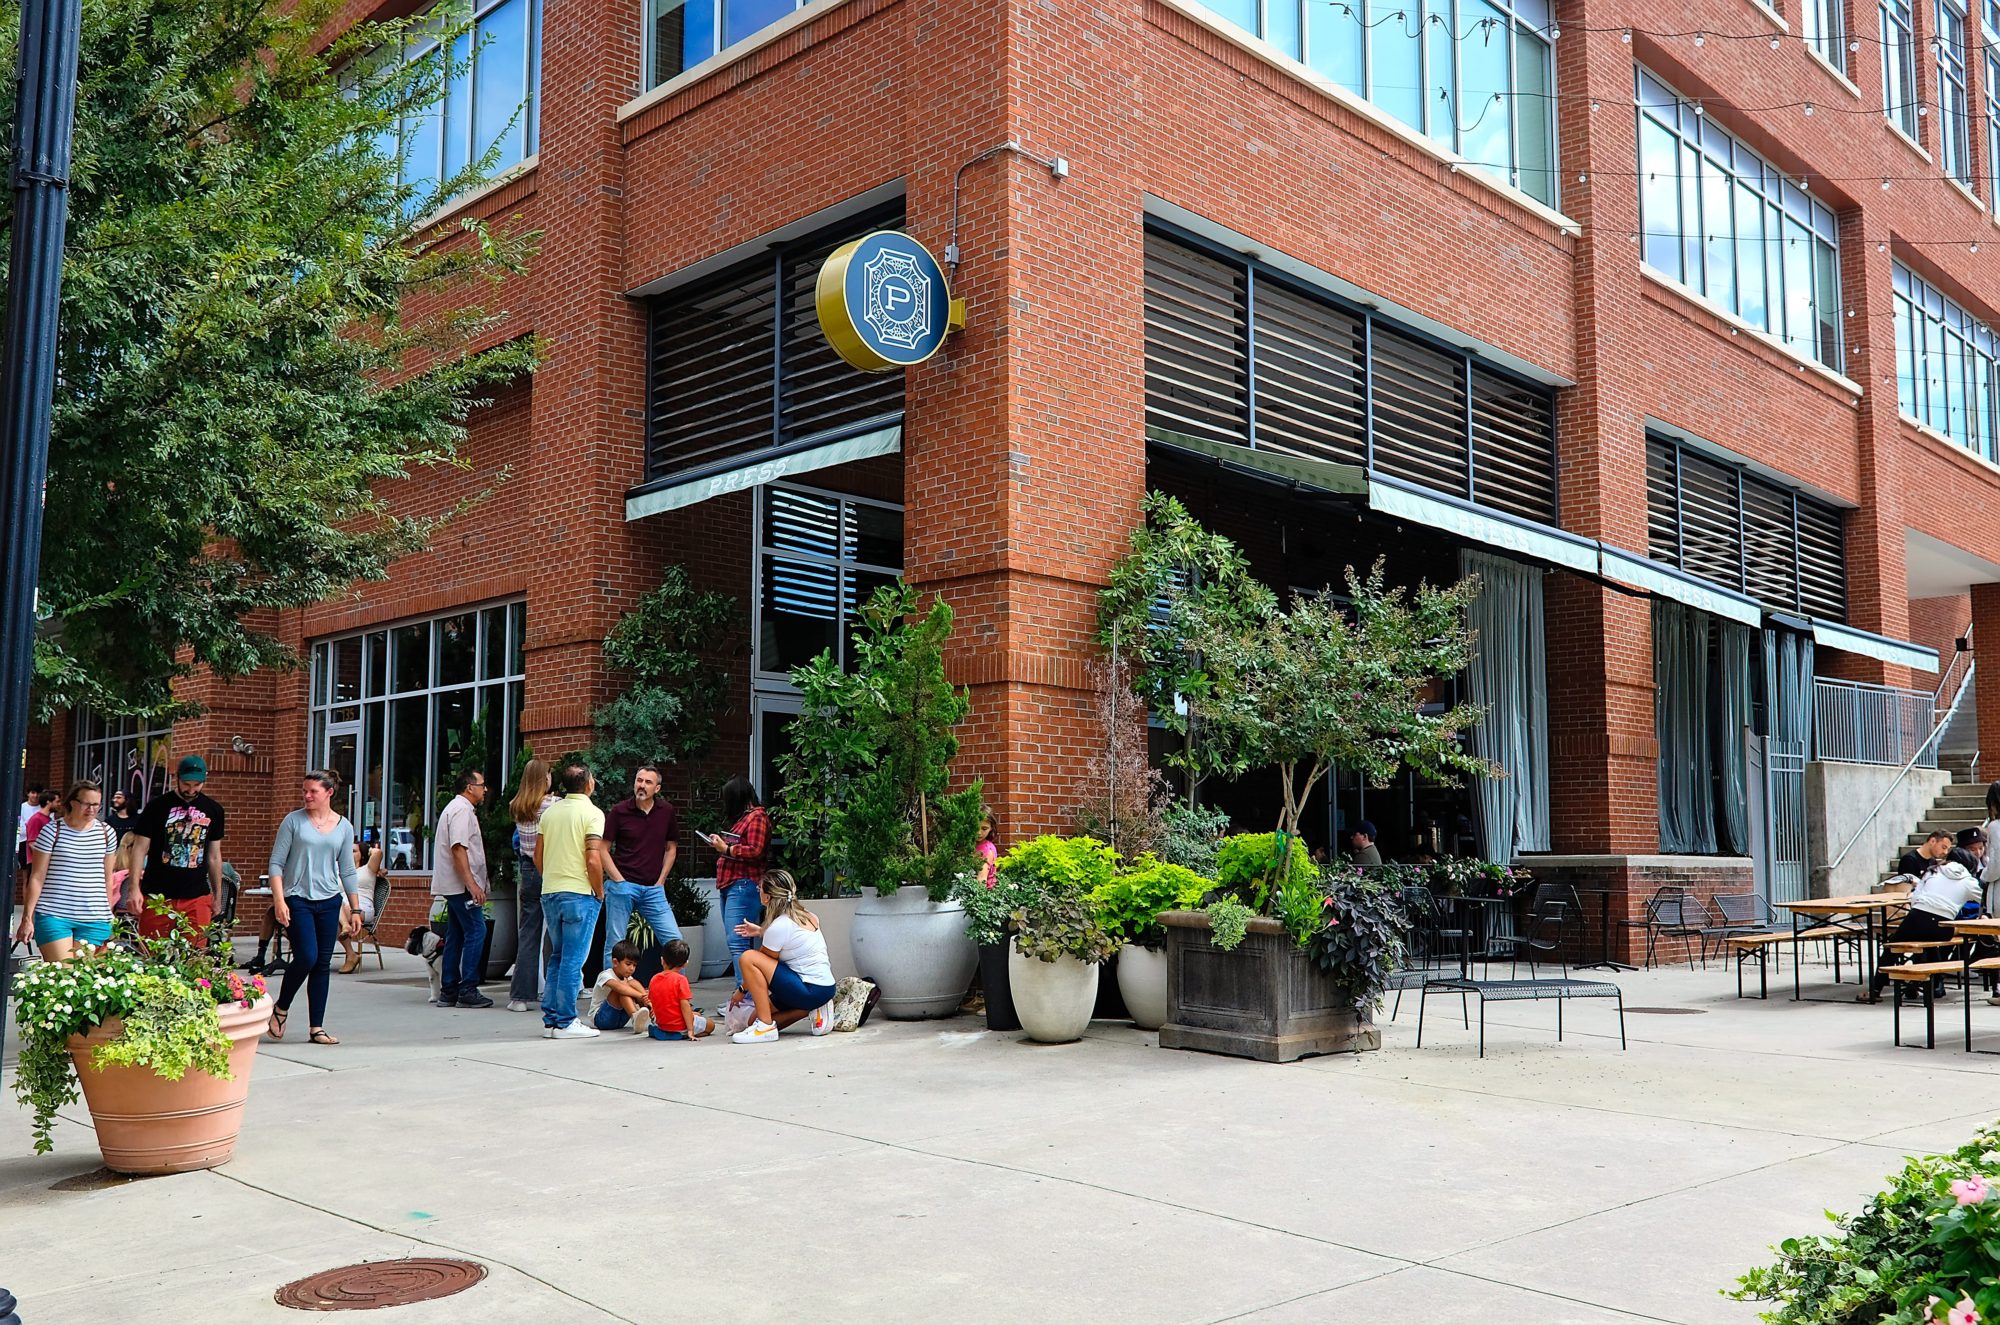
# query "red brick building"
(1612, 292)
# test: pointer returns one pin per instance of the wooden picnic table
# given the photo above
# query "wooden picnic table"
(1867, 906)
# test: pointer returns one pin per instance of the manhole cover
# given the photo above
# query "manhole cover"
(380, 1284)
(95, 1181)
(1671, 1012)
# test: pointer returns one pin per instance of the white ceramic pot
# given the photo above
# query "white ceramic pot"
(836, 924)
(712, 959)
(1052, 999)
(1142, 983)
(697, 942)
(916, 952)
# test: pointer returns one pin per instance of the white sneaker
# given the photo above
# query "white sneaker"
(823, 1018)
(516, 1005)
(641, 1019)
(548, 1032)
(760, 1032)
(576, 1030)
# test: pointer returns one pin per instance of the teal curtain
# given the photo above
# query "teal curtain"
(1732, 724)
(1508, 677)
(1681, 720)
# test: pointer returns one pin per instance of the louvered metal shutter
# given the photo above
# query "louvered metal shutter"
(1711, 543)
(712, 364)
(1822, 562)
(1309, 366)
(1770, 564)
(1513, 430)
(1197, 356)
(1420, 408)
(821, 391)
(1663, 514)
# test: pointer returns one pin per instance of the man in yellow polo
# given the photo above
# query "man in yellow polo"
(568, 854)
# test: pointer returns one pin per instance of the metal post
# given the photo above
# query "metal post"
(44, 121)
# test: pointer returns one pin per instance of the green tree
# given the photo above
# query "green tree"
(255, 342)
(865, 783)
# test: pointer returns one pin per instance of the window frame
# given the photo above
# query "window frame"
(1897, 37)
(719, 9)
(1952, 341)
(1823, 27)
(1954, 90)
(110, 739)
(780, 683)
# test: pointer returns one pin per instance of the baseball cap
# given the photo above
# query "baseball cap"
(192, 769)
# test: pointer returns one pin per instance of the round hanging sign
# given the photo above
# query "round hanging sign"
(883, 302)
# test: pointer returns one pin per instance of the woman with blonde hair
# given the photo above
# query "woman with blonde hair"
(789, 977)
(534, 796)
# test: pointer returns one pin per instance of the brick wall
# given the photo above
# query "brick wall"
(1625, 884)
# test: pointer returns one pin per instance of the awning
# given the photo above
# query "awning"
(1494, 529)
(1663, 581)
(756, 469)
(1833, 635)
(1318, 475)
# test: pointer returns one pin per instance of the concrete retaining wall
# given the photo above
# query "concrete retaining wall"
(1838, 799)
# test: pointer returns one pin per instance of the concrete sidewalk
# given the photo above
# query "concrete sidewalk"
(937, 1172)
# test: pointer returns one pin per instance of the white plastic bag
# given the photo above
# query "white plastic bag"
(739, 1016)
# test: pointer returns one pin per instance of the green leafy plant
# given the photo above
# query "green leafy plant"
(1361, 932)
(1190, 835)
(1228, 923)
(166, 992)
(1903, 1248)
(667, 645)
(1051, 881)
(989, 907)
(1253, 866)
(866, 783)
(690, 904)
(1130, 904)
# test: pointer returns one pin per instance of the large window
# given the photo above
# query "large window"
(1823, 24)
(1954, 103)
(1990, 85)
(680, 34)
(1899, 65)
(394, 711)
(121, 754)
(1947, 366)
(1477, 76)
(1722, 221)
(493, 102)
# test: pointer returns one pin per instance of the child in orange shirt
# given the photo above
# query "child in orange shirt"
(674, 1017)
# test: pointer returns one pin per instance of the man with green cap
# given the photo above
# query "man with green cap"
(177, 854)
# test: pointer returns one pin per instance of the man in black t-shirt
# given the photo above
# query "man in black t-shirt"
(1919, 861)
(178, 854)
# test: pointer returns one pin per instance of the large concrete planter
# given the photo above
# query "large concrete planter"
(148, 1124)
(916, 952)
(836, 925)
(1263, 1000)
(1142, 983)
(715, 960)
(1052, 999)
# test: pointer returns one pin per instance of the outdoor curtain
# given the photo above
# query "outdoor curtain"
(1734, 683)
(1508, 677)
(1681, 717)
(1788, 687)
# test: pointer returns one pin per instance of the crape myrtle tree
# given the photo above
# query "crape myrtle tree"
(241, 373)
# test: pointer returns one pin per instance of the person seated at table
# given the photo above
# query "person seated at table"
(1970, 850)
(1939, 897)
(1919, 861)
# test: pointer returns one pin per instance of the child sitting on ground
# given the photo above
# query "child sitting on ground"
(620, 1000)
(674, 1017)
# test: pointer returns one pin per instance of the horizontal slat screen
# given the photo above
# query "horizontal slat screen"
(1420, 406)
(1663, 516)
(1310, 369)
(1822, 561)
(1197, 358)
(1711, 545)
(1513, 446)
(821, 391)
(1770, 565)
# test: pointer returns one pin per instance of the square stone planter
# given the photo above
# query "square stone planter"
(1262, 1000)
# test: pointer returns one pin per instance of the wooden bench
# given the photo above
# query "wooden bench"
(1510, 991)
(1759, 945)
(1922, 974)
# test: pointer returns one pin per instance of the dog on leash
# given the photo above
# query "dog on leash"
(428, 944)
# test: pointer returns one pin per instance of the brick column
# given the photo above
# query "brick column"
(1986, 672)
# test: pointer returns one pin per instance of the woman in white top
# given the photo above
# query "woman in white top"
(69, 877)
(367, 869)
(789, 976)
(524, 994)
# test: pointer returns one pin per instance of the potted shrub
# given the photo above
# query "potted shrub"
(866, 784)
(989, 910)
(161, 1035)
(1059, 943)
(1129, 906)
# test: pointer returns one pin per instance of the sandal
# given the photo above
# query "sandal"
(277, 1027)
(319, 1036)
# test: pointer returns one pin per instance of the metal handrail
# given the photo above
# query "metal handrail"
(1944, 681)
(1937, 730)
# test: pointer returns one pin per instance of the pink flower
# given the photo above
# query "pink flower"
(1971, 1191)
(1963, 1314)
(201, 984)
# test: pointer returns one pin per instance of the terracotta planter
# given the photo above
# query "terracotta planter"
(147, 1124)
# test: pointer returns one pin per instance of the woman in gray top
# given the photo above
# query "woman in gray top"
(312, 864)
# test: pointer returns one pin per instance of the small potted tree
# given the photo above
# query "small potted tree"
(161, 1035)
(1059, 942)
(1129, 907)
(868, 780)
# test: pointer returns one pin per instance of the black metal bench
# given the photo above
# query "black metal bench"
(1512, 991)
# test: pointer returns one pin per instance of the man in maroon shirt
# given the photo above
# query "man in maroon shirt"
(641, 839)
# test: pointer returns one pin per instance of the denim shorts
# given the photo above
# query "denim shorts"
(791, 994)
(609, 1017)
(700, 1025)
(53, 929)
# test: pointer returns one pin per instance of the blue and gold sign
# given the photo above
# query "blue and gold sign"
(884, 302)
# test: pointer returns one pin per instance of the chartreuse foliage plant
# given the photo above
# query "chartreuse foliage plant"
(1925, 1249)
(1051, 882)
(1130, 904)
(258, 345)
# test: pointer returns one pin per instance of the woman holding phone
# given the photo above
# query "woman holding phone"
(739, 867)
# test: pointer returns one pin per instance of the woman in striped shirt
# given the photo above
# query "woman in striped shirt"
(69, 882)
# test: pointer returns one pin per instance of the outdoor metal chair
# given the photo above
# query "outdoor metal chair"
(1737, 914)
(1549, 929)
(370, 932)
(1671, 912)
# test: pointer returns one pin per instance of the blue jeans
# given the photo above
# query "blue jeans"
(609, 1018)
(568, 919)
(464, 943)
(314, 932)
(739, 903)
(622, 897)
(528, 936)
